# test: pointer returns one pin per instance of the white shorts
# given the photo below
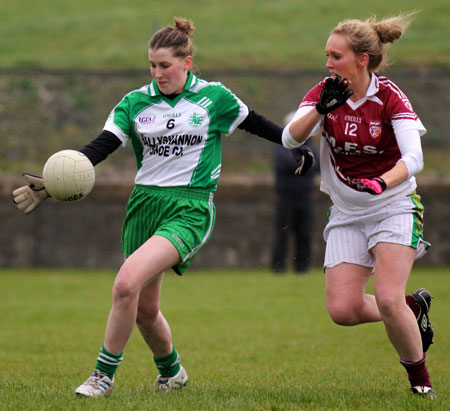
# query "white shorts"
(350, 238)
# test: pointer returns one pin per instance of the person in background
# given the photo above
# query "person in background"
(294, 216)
(175, 125)
(370, 152)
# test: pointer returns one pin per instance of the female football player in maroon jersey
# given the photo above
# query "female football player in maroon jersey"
(370, 152)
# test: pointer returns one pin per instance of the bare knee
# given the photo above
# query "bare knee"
(341, 317)
(343, 312)
(389, 305)
(147, 313)
(124, 287)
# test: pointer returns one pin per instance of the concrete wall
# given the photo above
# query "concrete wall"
(87, 233)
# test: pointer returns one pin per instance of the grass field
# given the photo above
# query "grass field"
(233, 34)
(249, 340)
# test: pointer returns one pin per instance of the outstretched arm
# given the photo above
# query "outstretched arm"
(31, 195)
(100, 148)
(263, 127)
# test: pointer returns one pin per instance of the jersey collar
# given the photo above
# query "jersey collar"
(373, 86)
(191, 81)
(373, 89)
(371, 94)
(153, 89)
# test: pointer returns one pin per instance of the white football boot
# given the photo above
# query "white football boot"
(97, 385)
(172, 383)
(423, 391)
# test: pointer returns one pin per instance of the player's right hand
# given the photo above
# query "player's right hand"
(334, 94)
(28, 197)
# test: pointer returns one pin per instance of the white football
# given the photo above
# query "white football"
(69, 175)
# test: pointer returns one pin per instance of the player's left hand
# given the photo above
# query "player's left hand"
(28, 197)
(305, 159)
(373, 186)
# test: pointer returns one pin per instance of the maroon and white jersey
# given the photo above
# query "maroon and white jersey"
(358, 140)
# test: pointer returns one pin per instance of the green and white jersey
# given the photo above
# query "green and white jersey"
(178, 142)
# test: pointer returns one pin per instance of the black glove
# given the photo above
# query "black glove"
(333, 95)
(305, 159)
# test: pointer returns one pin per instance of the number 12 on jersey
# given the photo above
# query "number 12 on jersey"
(351, 129)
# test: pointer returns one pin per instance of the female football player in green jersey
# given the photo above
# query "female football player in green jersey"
(175, 126)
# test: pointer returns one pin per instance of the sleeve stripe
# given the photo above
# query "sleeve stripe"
(406, 116)
(308, 103)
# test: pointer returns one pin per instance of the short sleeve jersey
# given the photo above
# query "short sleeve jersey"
(178, 142)
(359, 141)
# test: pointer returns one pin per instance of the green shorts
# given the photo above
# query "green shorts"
(185, 216)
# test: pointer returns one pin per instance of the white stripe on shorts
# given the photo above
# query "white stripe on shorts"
(208, 232)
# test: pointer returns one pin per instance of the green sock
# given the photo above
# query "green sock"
(107, 362)
(169, 365)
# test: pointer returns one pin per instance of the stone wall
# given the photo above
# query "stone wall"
(87, 233)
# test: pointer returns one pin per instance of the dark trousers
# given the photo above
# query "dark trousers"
(293, 219)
